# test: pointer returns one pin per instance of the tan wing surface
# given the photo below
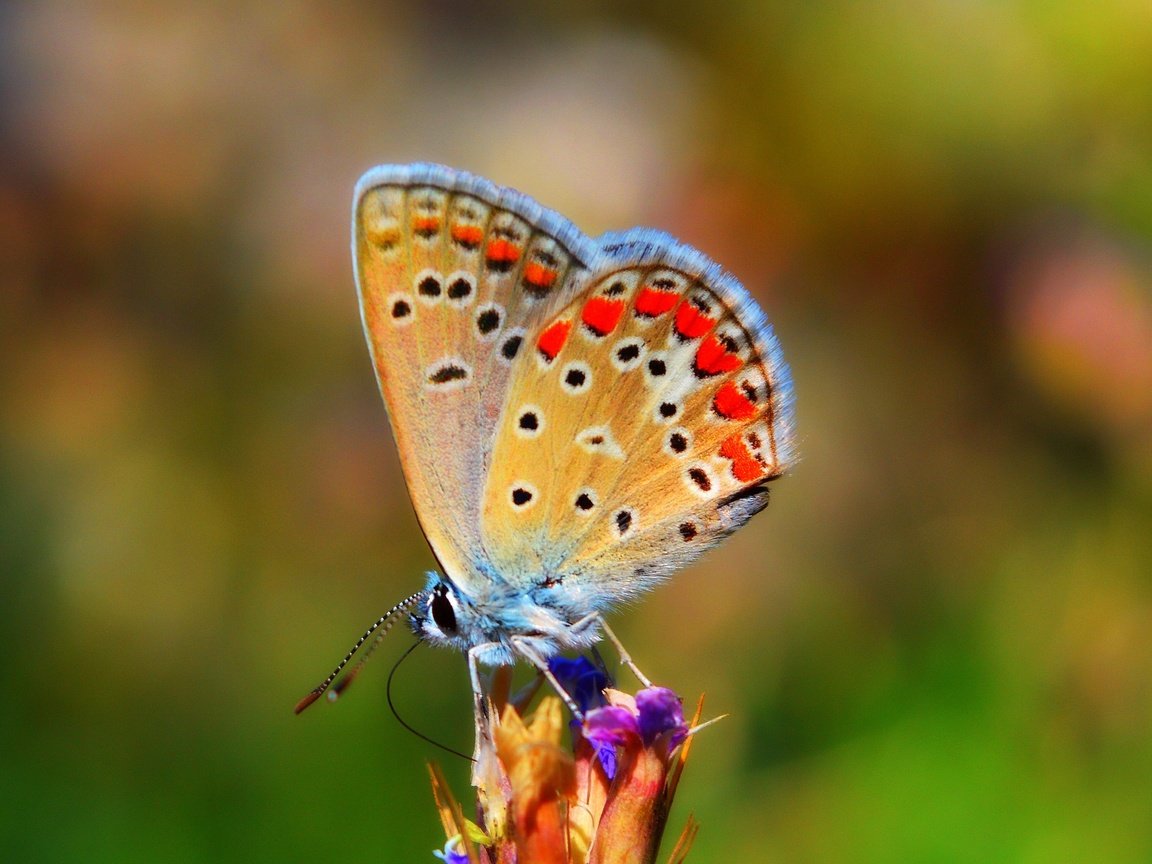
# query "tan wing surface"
(453, 273)
(641, 424)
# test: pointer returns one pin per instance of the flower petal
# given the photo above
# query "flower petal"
(611, 725)
(660, 712)
(453, 852)
(606, 754)
(582, 680)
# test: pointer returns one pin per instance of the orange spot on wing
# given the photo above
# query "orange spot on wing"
(731, 404)
(713, 357)
(652, 302)
(503, 251)
(468, 235)
(745, 466)
(553, 338)
(538, 275)
(386, 238)
(426, 224)
(602, 314)
(691, 323)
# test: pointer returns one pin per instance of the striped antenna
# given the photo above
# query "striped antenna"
(383, 625)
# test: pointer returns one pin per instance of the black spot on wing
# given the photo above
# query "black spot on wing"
(448, 373)
(511, 347)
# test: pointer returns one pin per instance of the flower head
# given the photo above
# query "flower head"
(453, 851)
(655, 716)
(602, 800)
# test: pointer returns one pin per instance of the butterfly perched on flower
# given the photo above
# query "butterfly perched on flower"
(577, 417)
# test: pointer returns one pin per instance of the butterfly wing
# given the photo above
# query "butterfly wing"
(453, 272)
(640, 426)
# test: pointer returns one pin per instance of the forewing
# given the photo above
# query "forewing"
(453, 273)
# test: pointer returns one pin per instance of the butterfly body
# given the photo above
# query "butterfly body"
(577, 418)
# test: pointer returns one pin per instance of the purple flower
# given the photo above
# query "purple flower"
(607, 800)
(582, 680)
(612, 726)
(657, 715)
(585, 683)
(660, 713)
(453, 852)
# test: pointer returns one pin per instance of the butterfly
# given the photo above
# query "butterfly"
(576, 418)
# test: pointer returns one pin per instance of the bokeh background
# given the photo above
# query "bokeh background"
(936, 644)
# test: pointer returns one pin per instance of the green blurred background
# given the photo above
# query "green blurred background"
(936, 644)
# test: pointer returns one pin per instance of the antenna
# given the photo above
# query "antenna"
(383, 624)
(402, 721)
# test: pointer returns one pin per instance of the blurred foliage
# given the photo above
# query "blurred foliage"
(936, 645)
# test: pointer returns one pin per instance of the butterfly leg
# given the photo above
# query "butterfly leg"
(625, 657)
(479, 700)
(530, 653)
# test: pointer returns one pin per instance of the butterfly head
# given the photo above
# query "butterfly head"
(446, 616)
(491, 620)
(437, 619)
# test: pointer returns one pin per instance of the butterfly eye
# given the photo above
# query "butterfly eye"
(442, 612)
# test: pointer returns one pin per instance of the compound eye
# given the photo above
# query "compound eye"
(442, 612)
